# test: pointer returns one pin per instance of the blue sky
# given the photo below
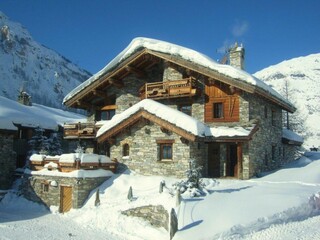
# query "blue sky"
(92, 32)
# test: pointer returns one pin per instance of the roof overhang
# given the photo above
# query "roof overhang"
(120, 68)
(138, 116)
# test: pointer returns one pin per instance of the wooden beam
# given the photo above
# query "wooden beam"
(83, 104)
(136, 71)
(100, 93)
(116, 82)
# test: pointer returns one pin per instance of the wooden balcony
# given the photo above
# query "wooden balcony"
(80, 130)
(169, 89)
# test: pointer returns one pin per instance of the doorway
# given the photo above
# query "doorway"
(232, 160)
(214, 160)
(65, 198)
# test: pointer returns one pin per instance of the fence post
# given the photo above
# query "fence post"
(173, 223)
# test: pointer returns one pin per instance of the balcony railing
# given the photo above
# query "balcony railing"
(80, 130)
(169, 89)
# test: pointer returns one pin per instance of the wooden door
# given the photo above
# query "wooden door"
(65, 198)
(214, 160)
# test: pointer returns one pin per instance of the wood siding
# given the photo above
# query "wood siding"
(218, 92)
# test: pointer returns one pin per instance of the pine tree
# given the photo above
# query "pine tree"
(55, 145)
(38, 143)
(295, 121)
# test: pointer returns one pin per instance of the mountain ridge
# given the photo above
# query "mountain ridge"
(26, 64)
(299, 80)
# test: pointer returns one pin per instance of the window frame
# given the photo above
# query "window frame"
(162, 145)
(220, 109)
(125, 150)
(273, 117)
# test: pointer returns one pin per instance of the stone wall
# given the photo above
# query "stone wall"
(7, 160)
(33, 188)
(156, 215)
(265, 151)
(144, 151)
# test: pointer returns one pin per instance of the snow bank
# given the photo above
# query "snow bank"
(272, 207)
(179, 51)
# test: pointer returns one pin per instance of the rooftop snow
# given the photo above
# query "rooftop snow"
(32, 116)
(164, 112)
(290, 135)
(177, 118)
(182, 52)
(223, 131)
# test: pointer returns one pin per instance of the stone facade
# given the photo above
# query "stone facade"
(33, 188)
(7, 160)
(156, 215)
(265, 147)
(146, 160)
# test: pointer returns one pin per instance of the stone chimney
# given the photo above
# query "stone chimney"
(24, 98)
(236, 56)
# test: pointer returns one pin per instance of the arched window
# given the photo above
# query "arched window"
(125, 150)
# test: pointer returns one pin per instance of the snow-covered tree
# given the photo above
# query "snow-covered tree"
(295, 121)
(39, 143)
(192, 183)
(55, 145)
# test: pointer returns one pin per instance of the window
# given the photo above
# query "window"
(187, 109)
(125, 150)
(45, 187)
(108, 114)
(165, 149)
(265, 112)
(273, 152)
(218, 110)
(273, 117)
(266, 162)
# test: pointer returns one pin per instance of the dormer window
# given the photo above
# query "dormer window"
(106, 113)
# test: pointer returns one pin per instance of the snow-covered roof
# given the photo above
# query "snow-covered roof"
(224, 131)
(291, 136)
(177, 118)
(184, 53)
(74, 174)
(71, 158)
(12, 112)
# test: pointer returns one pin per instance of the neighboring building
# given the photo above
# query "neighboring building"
(17, 123)
(65, 180)
(195, 108)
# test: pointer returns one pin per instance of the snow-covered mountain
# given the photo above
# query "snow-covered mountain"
(302, 77)
(44, 74)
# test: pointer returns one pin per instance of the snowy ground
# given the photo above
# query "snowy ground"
(276, 206)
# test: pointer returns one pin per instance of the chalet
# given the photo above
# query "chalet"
(157, 105)
(18, 121)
